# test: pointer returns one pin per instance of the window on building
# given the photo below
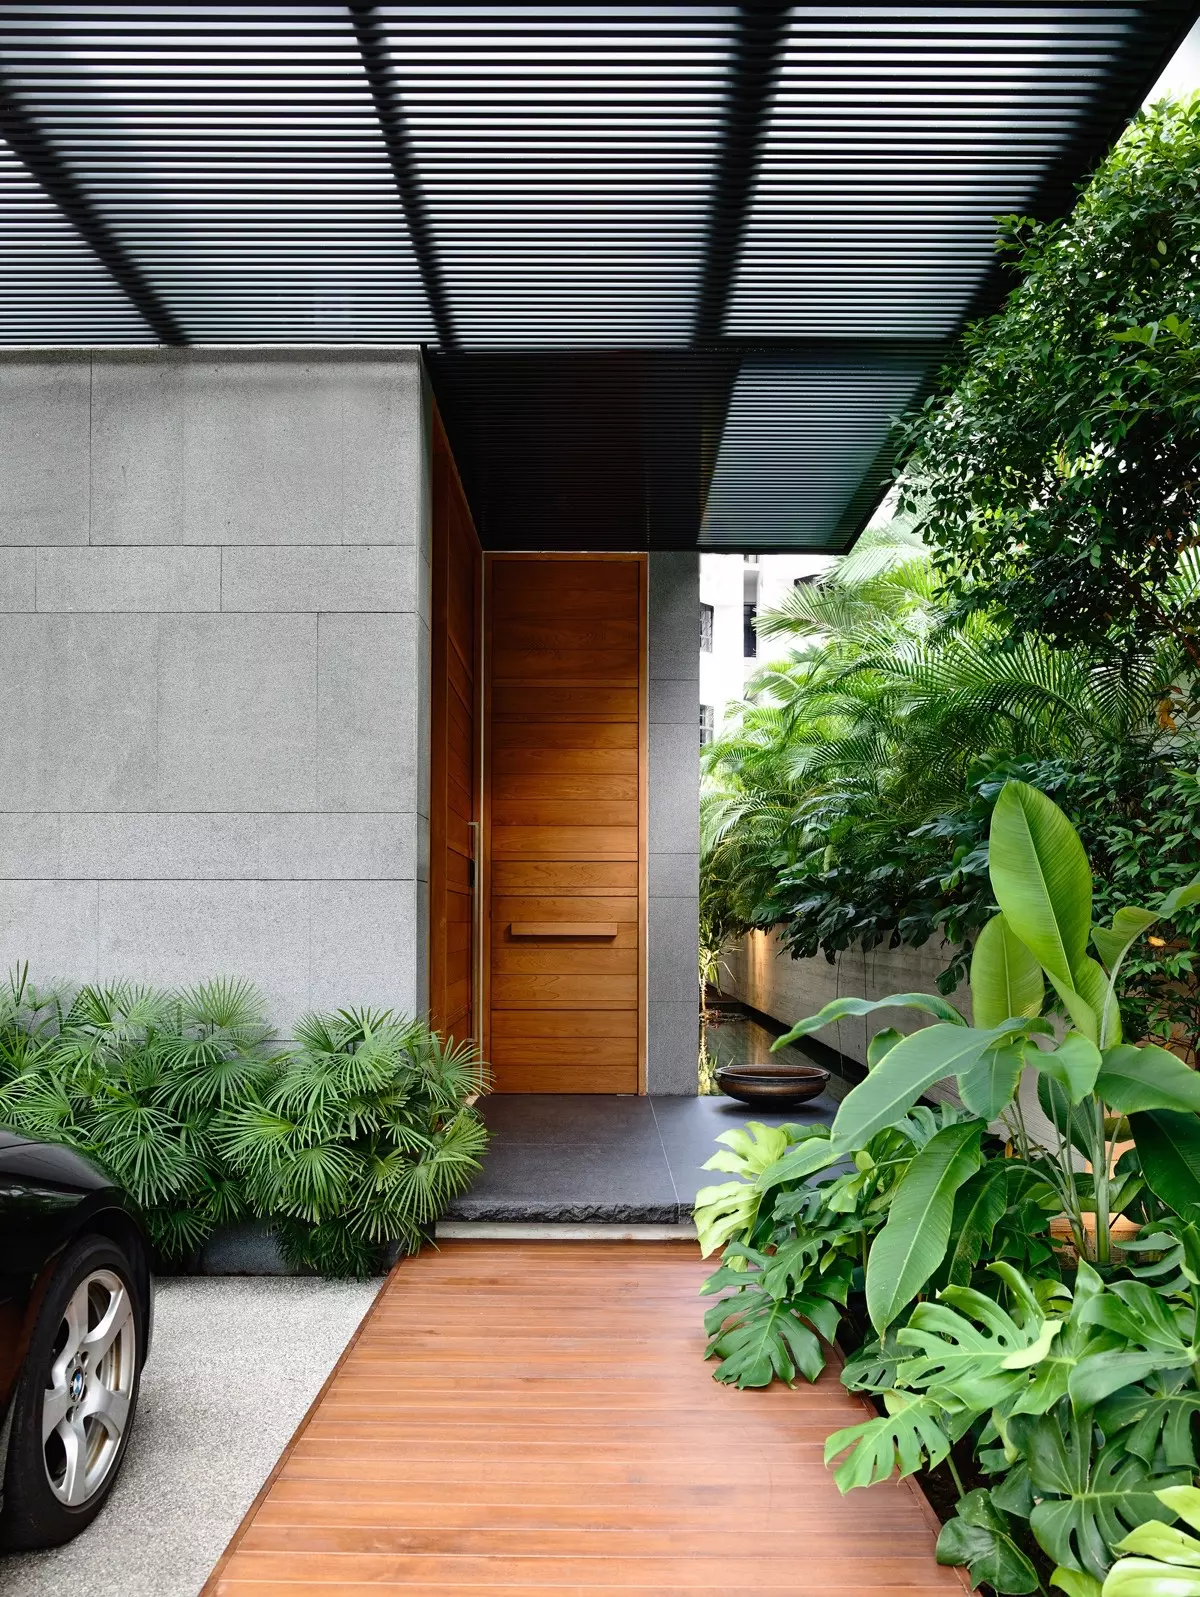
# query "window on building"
(749, 636)
(706, 625)
(708, 724)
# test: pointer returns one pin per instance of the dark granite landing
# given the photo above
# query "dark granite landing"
(574, 1159)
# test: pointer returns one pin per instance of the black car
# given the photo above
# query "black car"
(76, 1311)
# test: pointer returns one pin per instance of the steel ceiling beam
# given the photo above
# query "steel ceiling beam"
(754, 67)
(376, 60)
(39, 158)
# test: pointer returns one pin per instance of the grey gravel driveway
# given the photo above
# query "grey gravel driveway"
(236, 1362)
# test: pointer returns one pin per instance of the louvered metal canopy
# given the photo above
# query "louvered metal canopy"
(676, 267)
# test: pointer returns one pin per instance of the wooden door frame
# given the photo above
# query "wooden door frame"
(490, 557)
(439, 645)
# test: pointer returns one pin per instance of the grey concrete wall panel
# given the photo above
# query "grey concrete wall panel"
(211, 570)
(368, 671)
(237, 712)
(341, 847)
(177, 932)
(79, 714)
(764, 975)
(363, 934)
(120, 579)
(256, 447)
(44, 408)
(675, 787)
(18, 579)
(672, 1046)
(53, 925)
(31, 846)
(361, 578)
(674, 702)
(674, 829)
(672, 876)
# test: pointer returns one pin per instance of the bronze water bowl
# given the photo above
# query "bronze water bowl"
(771, 1086)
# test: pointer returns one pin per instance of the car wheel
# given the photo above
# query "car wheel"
(75, 1398)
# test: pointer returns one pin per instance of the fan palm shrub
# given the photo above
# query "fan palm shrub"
(139, 1078)
(351, 1138)
(361, 1138)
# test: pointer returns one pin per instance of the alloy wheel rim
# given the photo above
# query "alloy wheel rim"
(85, 1407)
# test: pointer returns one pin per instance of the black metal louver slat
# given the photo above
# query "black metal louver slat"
(640, 239)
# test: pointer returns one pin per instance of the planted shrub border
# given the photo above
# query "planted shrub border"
(348, 1141)
(1055, 1378)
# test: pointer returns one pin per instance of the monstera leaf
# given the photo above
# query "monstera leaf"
(1085, 1501)
(1169, 1565)
(1154, 1335)
(759, 1339)
(1156, 1419)
(915, 1432)
(813, 1155)
(731, 1208)
(1076, 1343)
(781, 1303)
(980, 1536)
(972, 1351)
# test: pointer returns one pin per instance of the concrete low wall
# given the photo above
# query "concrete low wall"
(787, 989)
(767, 978)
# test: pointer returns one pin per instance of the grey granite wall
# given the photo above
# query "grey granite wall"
(214, 656)
(674, 862)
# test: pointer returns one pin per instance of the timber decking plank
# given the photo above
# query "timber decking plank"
(539, 1418)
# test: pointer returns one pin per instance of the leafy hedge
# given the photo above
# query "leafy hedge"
(351, 1137)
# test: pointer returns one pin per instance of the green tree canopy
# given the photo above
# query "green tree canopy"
(1059, 467)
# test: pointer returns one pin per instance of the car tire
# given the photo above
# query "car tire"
(76, 1397)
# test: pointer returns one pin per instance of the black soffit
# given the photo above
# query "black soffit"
(675, 267)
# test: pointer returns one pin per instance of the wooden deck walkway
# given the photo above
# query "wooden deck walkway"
(537, 1418)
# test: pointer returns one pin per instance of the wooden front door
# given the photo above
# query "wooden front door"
(454, 766)
(565, 808)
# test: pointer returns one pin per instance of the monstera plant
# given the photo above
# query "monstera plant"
(1096, 1089)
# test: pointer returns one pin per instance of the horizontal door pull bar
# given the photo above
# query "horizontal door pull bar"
(564, 928)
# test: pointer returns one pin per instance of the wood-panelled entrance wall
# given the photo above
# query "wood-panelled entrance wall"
(565, 822)
(454, 766)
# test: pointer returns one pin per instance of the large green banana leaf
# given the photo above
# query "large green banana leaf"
(1041, 878)
(914, 1240)
(1006, 979)
(905, 1071)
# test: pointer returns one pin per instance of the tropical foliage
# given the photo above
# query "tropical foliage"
(351, 1138)
(1067, 1373)
(1055, 470)
(848, 803)
(1167, 1559)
